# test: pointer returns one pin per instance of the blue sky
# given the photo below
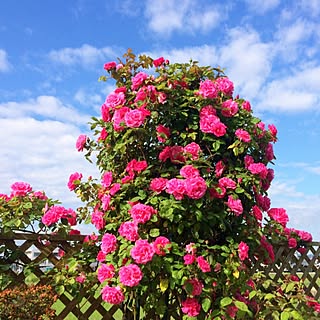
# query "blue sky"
(52, 53)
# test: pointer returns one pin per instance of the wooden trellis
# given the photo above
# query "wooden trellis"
(305, 266)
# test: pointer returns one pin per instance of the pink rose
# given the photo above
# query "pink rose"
(176, 187)
(269, 248)
(191, 307)
(160, 245)
(243, 135)
(108, 243)
(212, 124)
(81, 141)
(129, 230)
(142, 252)
(141, 213)
(257, 213)
(219, 168)
(103, 135)
(105, 113)
(193, 149)
(138, 80)
(225, 86)
(74, 180)
(81, 278)
(106, 179)
(176, 154)
(191, 248)
(189, 259)
(109, 65)
(101, 256)
(258, 169)
(53, 215)
(158, 62)
(189, 171)
(130, 275)
(292, 243)
(279, 215)
(203, 264)
(106, 198)
(163, 133)
(208, 110)
(164, 155)
(304, 235)
(273, 130)
(115, 100)
(20, 189)
(195, 187)
(105, 271)
(243, 250)
(235, 205)
(118, 118)
(112, 295)
(134, 118)
(269, 152)
(158, 184)
(229, 108)
(208, 89)
(263, 202)
(246, 106)
(193, 287)
(217, 192)
(227, 183)
(135, 165)
(114, 189)
(97, 219)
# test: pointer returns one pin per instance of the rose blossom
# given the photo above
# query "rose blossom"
(112, 295)
(129, 230)
(191, 307)
(219, 168)
(176, 187)
(74, 177)
(195, 187)
(263, 202)
(273, 130)
(142, 252)
(135, 165)
(103, 135)
(105, 113)
(229, 108)
(164, 155)
(225, 86)
(105, 271)
(243, 250)
(130, 275)
(246, 106)
(217, 192)
(304, 235)
(189, 171)
(109, 65)
(257, 213)
(108, 243)
(203, 264)
(114, 100)
(193, 149)
(81, 278)
(196, 286)
(269, 152)
(227, 183)
(20, 189)
(243, 135)
(235, 205)
(158, 62)
(158, 184)
(269, 248)
(101, 256)
(208, 89)
(189, 259)
(292, 243)
(212, 124)
(138, 80)
(134, 118)
(114, 189)
(106, 198)
(279, 215)
(81, 141)
(118, 118)
(141, 213)
(191, 248)
(106, 179)
(160, 245)
(53, 215)
(258, 169)
(163, 133)
(176, 154)
(97, 219)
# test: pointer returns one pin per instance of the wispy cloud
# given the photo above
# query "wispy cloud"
(86, 55)
(4, 62)
(167, 16)
(263, 6)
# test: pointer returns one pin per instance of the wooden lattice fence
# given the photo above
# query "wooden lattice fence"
(305, 266)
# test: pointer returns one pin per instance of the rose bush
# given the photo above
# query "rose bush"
(182, 198)
(181, 206)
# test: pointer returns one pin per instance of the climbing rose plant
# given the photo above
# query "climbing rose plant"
(181, 206)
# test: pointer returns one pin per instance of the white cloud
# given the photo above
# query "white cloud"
(262, 6)
(4, 62)
(167, 16)
(87, 99)
(296, 92)
(312, 7)
(49, 107)
(86, 55)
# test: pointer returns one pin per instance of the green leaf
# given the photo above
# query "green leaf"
(252, 294)
(31, 279)
(296, 315)
(206, 303)
(289, 287)
(60, 290)
(154, 232)
(27, 205)
(225, 301)
(241, 306)
(285, 315)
